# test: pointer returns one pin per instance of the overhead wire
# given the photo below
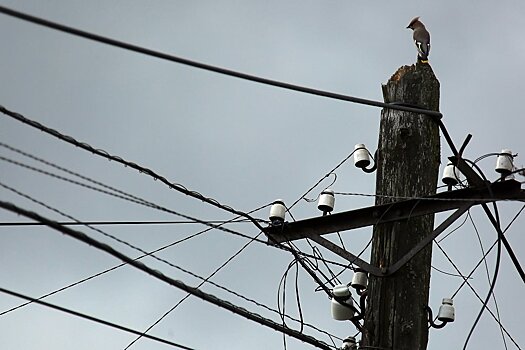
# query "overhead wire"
(157, 321)
(199, 65)
(143, 170)
(92, 318)
(500, 239)
(241, 296)
(152, 205)
(160, 276)
(124, 223)
(488, 277)
(465, 281)
(494, 219)
(151, 254)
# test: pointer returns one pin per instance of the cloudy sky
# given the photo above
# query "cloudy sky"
(242, 143)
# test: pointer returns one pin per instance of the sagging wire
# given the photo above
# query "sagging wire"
(91, 318)
(488, 277)
(281, 297)
(501, 238)
(140, 201)
(160, 276)
(189, 294)
(142, 170)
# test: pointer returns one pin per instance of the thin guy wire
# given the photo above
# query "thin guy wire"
(479, 263)
(153, 256)
(123, 223)
(320, 180)
(188, 294)
(67, 171)
(160, 276)
(465, 282)
(91, 318)
(152, 205)
(356, 194)
(74, 284)
(488, 277)
(228, 72)
(147, 204)
(454, 230)
(102, 153)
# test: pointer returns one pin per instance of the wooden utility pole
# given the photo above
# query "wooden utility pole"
(408, 166)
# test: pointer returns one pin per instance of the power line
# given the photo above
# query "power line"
(67, 171)
(91, 318)
(118, 223)
(465, 281)
(488, 277)
(160, 276)
(188, 295)
(477, 200)
(143, 170)
(151, 254)
(71, 285)
(138, 201)
(152, 205)
(199, 65)
(492, 284)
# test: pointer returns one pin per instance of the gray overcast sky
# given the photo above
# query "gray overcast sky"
(242, 143)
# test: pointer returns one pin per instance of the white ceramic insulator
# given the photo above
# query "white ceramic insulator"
(360, 280)
(504, 161)
(451, 175)
(446, 311)
(361, 156)
(277, 211)
(341, 312)
(326, 201)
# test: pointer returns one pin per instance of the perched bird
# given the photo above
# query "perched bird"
(421, 39)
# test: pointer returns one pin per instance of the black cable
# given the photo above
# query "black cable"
(158, 207)
(124, 223)
(91, 318)
(465, 281)
(228, 72)
(497, 225)
(188, 295)
(160, 276)
(151, 254)
(488, 277)
(71, 285)
(143, 170)
(448, 273)
(454, 230)
(331, 172)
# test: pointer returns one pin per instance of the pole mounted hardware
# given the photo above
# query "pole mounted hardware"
(461, 200)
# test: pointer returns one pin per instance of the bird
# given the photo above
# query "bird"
(421, 39)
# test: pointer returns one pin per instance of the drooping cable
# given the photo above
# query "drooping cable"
(228, 72)
(160, 276)
(91, 318)
(143, 170)
(188, 295)
(465, 281)
(151, 254)
(500, 238)
(488, 278)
